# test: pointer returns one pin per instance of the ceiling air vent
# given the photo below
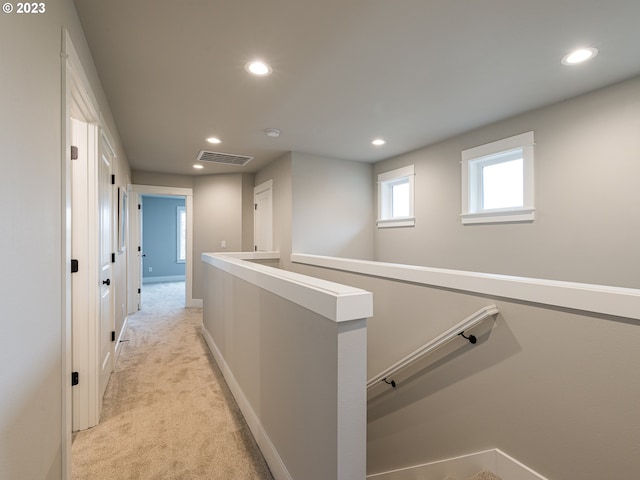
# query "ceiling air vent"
(223, 158)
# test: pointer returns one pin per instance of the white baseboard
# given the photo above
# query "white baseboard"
(496, 461)
(171, 278)
(123, 331)
(194, 303)
(276, 465)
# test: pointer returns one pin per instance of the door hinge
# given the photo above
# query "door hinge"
(113, 335)
(255, 206)
(74, 265)
(139, 207)
(255, 248)
(139, 290)
(113, 258)
(74, 379)
(139, 249)
(74, 152)
(113, 179)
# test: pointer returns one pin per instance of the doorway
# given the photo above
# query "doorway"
(263, 217)
(160, 272)
(164, 249)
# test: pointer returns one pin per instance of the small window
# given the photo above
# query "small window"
(497, 181)
(395, 198)
(182, 234)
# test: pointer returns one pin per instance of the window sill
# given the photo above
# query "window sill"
(396, 222)
(504, 216)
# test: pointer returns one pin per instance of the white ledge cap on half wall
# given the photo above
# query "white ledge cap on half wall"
(337, 302)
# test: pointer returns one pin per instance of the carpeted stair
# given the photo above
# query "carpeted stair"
(482, 475)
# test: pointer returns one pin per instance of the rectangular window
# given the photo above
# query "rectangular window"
(182, 234)
(395, 198)
(497, 181)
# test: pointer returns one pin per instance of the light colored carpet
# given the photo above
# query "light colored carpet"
(482, 475)
(167, 412)
(485, 475)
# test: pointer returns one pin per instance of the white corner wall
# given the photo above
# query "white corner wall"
(333, 207)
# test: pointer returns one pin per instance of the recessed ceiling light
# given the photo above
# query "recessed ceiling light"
(258, 68)
(198, 166)
(579, 56)
(214, 140)
(378, 142)
(272, 132)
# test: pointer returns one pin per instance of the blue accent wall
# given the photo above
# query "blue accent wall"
(160, 238)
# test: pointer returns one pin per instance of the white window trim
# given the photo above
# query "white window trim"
(469, 214)
(398, 173)
(178, 259)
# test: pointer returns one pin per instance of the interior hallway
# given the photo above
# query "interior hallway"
(167, 412)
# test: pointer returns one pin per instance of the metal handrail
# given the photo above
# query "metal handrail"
(441, 340)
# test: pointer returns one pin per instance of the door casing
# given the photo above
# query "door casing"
(263, 217)
(135, 237)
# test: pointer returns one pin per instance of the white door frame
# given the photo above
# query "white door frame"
(135, 243)
(134, 238)
(79, 101)
(84, 283)
(258, 190)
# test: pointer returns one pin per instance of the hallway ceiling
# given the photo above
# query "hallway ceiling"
(413, 72)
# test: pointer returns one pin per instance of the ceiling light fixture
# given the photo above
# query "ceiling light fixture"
(272, 132)
(258, 68)
(579, 56)
(198, 167)
(378, 142)
(214, 140)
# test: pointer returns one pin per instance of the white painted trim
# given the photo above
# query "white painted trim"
(266, 186)
(602, 299)
(252, 255)
(187, 193)
(271, 455)
(168, 278)
(385, 220)
(465, 466)
(195, 303)
(123, 331)
(65, 212)
(504, 216)
(396, 222)
(396, 173)
(510, 143)
(334, 301)
(511, 469)
(162, 191)
(79, 101)
(472, 213)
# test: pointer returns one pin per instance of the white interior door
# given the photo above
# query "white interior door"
(107, 319)
(263, 217)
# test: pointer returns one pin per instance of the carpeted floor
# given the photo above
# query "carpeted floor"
(167, 412)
